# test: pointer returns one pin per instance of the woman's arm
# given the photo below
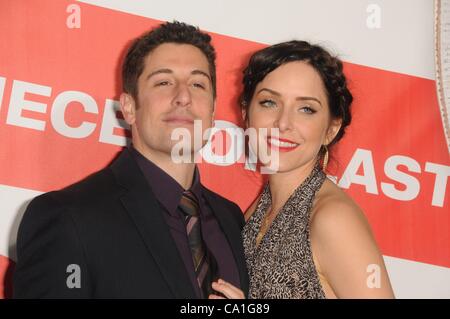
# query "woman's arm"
(346, 251)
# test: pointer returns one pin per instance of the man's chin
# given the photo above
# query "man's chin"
(184, 152)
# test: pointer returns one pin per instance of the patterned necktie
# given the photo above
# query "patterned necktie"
(205, 264)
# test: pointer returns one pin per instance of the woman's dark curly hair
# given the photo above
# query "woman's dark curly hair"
(329, 68)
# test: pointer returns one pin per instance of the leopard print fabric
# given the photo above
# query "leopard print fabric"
(282, 266)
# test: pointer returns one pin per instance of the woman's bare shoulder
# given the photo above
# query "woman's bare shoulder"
(333, 203)
(343, 245)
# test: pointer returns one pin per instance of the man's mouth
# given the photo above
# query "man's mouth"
(179, 120)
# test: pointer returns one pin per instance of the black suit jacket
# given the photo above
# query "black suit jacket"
(111, 227)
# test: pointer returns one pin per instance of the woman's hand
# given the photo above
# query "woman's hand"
(227, 289)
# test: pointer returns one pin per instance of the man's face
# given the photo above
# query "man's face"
(174, 89)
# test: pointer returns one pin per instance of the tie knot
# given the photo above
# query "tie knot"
(189, 204)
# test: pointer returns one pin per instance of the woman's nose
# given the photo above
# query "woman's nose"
(283, 120)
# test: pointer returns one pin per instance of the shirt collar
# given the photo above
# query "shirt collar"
(166, 189)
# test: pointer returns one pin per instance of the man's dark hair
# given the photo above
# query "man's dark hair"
(169, 32)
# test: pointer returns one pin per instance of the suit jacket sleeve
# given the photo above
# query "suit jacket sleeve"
(50, 258)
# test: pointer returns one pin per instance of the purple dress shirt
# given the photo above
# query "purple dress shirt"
(168, 192)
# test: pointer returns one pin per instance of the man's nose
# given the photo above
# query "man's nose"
(182, 95)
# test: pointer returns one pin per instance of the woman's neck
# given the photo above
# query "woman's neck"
(283, 184)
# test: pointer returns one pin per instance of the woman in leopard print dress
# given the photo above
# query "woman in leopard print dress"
(304, 237)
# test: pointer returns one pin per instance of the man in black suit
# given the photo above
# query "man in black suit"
(123, 232)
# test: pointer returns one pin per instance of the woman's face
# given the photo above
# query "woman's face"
(292, 99)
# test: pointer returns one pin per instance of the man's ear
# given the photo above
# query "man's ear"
(244, 115)
(333, 130)
(128, 108)
(214, 110)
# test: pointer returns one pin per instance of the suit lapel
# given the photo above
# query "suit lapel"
(232, 232)
(144, 210)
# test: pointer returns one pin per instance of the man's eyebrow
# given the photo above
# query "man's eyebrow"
(300, 98)
(194, 72)
(169, 71)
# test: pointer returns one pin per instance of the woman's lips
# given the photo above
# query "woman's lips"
(281, 144)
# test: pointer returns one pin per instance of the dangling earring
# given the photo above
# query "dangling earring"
(325, 158)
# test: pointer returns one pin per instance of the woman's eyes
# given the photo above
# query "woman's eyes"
(267, 103)
(307, 109)
(270, 104)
